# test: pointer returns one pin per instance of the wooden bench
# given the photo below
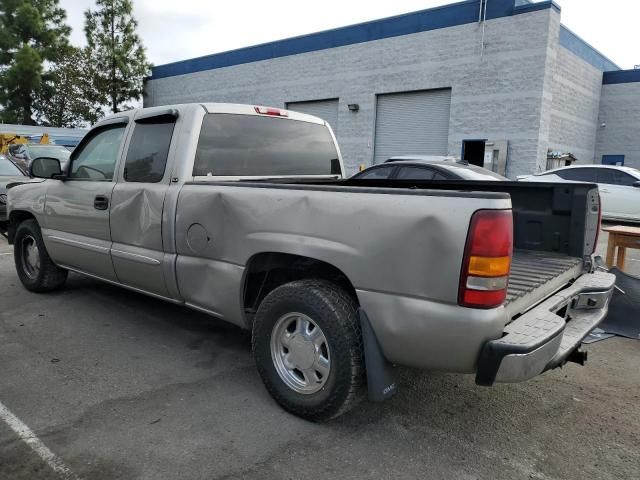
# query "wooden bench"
(621, 237)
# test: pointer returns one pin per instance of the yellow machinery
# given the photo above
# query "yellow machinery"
(7, 139)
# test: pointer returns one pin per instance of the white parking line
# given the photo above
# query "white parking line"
(8, 253)
(28, 437)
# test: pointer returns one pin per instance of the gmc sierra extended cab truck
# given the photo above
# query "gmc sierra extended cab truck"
(242, 212)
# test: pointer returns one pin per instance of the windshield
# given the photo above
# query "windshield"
(8, 169)
(51, 151)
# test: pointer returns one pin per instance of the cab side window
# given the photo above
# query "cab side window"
(441, 177)
(579, 175)
(380, 173)
(96, 160)
(415, 173)
(148, 151)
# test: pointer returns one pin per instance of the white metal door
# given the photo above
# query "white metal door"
(325, 109)
(414, 123)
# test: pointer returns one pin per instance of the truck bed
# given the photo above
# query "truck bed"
(555, 225)
(535, 275)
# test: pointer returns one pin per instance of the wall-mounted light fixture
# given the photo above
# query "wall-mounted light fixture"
(354, 107)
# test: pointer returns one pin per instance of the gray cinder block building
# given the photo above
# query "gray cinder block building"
(499, 82)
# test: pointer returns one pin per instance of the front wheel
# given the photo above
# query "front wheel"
(308, 349)
(34, 266)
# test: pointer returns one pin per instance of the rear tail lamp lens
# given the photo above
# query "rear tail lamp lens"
(487, 259)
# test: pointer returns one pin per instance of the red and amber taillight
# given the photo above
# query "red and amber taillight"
(487, 259)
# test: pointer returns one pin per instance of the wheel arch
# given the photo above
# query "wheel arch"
(267, 271)
(16, 217)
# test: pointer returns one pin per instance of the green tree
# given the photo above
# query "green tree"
(119, 59)
(31, 32)
(67, 97)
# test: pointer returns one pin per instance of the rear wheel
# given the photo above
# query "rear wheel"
(308, 350)
(34, 266)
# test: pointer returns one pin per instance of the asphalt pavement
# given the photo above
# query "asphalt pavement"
(116, 385)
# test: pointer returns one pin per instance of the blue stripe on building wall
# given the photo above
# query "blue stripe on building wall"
(434, 18)
(621, 76)
(582, 49)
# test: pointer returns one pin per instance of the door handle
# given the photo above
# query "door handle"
(101, 202)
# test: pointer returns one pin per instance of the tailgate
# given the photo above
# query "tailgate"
(536, 275)
(546, 336)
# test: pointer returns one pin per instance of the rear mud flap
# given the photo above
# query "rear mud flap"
(381, 376)
(624, 310)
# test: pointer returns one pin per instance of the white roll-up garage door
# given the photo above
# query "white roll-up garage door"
(325, 109)
(414, 123)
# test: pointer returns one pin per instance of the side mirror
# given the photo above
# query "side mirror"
(45, 167)
(636, 184)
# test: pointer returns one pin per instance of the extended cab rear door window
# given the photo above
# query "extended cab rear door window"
(148, 150)
(250, 145)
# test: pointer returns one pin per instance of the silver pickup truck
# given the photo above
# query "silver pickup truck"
(242, 212)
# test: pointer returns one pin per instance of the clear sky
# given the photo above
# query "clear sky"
(180, 29)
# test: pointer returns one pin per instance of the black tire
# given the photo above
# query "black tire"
(335, 312)
(47, 276)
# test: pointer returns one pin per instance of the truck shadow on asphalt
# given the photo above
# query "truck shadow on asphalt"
(162, 316)
(442, 394)
(207, 393)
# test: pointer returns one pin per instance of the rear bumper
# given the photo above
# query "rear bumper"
(547, 335)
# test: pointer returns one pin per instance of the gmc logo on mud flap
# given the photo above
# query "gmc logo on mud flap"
(389, 389)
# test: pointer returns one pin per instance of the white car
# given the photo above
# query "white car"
(619, 187)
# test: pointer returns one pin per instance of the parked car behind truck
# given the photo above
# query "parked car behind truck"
(405, 168)
(9, 173)
(243, 213)
(23, 154)
(619, 187)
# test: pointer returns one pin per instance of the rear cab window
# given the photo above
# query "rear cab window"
(252, 146)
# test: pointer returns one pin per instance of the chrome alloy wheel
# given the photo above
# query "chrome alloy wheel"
(30, 256)
(300, 353)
